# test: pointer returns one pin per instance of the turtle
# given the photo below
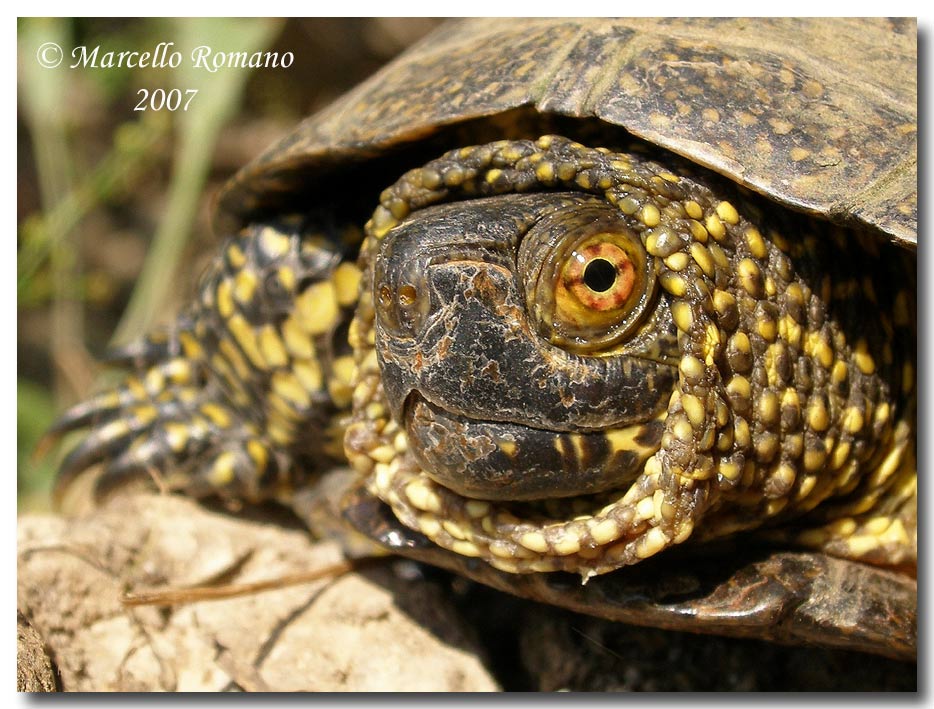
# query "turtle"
(617, 315)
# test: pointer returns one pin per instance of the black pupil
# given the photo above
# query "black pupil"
(599, 275)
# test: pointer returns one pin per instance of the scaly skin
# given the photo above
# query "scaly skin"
(770, 404)
(786, 404)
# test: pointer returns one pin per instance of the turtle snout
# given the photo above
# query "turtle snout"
(403, 305)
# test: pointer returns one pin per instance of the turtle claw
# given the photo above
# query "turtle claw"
(102, 443)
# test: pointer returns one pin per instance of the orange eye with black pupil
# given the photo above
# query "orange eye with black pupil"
(589, 280)
(601, 276)
(602, 285)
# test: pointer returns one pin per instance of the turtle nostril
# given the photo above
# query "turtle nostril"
(402, 310)
(407, 296)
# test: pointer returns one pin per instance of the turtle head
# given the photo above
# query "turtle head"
(523, 345)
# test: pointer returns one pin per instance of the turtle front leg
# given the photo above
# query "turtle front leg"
(241, 397)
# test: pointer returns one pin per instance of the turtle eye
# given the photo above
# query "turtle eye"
(598, 276)
(600, 289)
(593, 279)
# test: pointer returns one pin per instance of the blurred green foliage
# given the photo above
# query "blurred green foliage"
(110, 199)
(72, 183)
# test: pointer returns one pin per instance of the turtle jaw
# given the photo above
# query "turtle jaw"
(504, 460)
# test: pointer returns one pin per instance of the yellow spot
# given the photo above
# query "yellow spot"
(790, 399)
(806, 487)
(645, 508)
(767, 329)
(507, 447)
(882, 413)
(823, 354)
(729, 471)
(287, 278)
(501, 549)
(651, 543)
(691, 367)
(681, 314)
(840, 455)
(677, 261)
(258, 454)
(244, 286)
(727, 212)
(347, 283)
(698, 231)
(684, 531)
(863, 359)
(715, 227)
(272, 348)
(465, 548)
(702, 258)
(853, 420)
(818, 418)
(534, 541)
(190, 346)
(297, 341)
(217, 414)
(861, 544)
(454, 529)
(756, 243)
(740, 343)
(797, 154)
(605, 531)
(650, 215)
(235, 256)
(839, 373)
(422, 497)
(789, 330)
(711, 344)
(739, 386)
(222, 472)
(246, 338)
(287, 385)
(673, 284)
(773, 507)
(225, 305)
(814, 459)
(477, 508)
(768, 407)
(177, 436)
(318, 309)
(785, 476)
(694, 409)
(308, 372)
(693, 209)
(749, 276)
(545, 172)
(273, 243)
(567, 544)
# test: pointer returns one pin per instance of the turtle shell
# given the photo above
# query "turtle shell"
(819, 115)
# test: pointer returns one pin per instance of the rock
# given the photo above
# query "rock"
(371, 629)
(34, 670)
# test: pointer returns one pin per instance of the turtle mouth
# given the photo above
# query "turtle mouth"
(492, 459)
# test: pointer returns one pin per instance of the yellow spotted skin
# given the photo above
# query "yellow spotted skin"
(241, 396)
(789, 415)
